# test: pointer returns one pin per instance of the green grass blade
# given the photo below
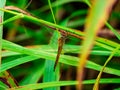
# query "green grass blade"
(11, 19)
(96, 85)
(113, 30)
(3, 86)
(70, 60)
(65, 83)
(2, 4)
(17, 62)
(49, 65)
(67, 49)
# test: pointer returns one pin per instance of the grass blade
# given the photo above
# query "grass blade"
(69, 60)
(2, 4)
(96, 85)
(49, 65)
(64, 83)
(94, 23)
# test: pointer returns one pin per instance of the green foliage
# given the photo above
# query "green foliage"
(33, 66)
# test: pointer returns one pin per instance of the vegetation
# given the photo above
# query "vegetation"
(32, 31)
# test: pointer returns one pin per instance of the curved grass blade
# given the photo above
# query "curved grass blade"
(96, 85)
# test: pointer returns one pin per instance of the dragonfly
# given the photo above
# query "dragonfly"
(61, 42)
